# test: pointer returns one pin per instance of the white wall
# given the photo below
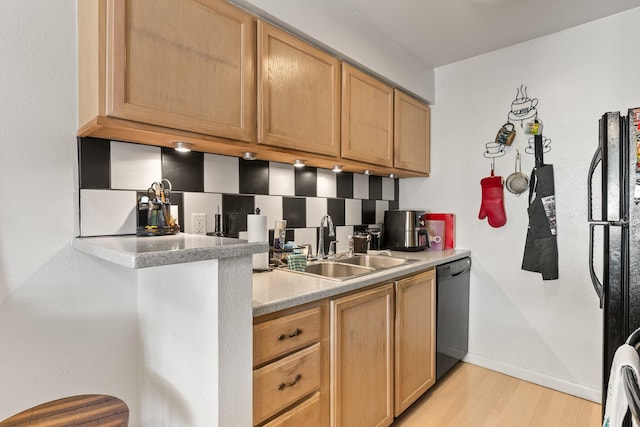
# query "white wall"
(67, 322)
(544, 331)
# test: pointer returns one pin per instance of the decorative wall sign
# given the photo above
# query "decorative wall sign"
(493, 149)
(523, 108)
(546, 145)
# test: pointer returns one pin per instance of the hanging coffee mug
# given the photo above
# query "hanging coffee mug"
(506, 134)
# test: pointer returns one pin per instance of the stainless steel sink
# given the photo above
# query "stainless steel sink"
(336, 270)
(344, 267)
(377, 262)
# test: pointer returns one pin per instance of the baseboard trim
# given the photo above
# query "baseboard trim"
(563, 386)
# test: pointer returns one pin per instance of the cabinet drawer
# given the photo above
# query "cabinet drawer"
(280, 336)
(281, 383)
(305, 414)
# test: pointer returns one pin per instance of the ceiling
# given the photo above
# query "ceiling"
(440, 32)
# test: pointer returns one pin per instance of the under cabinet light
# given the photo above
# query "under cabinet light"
(337, 168)
(248, 155)
(298, 163)
(182, 146)
(367, 172)
(392, 175)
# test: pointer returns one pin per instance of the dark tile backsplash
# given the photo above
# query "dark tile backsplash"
(306, 182)
(345, 185)
(294, 210)
(185, 171)
(368, 211)
(375, 187)
(254, 176)
(335, 209)
(235, 209)
(93, 163)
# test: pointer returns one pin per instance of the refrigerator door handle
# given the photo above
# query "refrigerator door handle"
(597, 284)
(597, 158)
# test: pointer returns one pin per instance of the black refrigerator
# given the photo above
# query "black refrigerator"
(614, 230)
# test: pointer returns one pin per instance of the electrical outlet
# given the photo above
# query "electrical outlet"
(198, 223)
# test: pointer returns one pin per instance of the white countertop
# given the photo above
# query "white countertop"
(153, 251)
(279, 289)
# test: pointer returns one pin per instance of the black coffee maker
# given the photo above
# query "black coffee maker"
(375, 242)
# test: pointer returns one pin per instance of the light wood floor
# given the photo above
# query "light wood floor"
(471, 396)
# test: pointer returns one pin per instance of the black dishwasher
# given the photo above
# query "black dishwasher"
(452, 331)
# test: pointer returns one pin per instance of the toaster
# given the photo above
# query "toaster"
(404, 231)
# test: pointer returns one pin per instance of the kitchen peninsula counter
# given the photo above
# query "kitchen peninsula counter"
(280, 289)
(195, 324)
(154, 251)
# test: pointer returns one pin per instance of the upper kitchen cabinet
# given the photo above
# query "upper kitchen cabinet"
(411, 133)
(367, 118)
(186, 65)
(298, 94)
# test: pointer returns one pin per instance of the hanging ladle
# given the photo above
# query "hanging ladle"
(517, 182)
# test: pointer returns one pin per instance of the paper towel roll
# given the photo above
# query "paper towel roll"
(257, 232)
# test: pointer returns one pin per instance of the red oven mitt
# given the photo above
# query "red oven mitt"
(492, 206)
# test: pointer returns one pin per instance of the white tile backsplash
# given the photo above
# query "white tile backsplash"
(316, 209)
(207, 203)
(221, 174)
(281, 179)
(107, 212)
(326, 184)
(388, 189)
(352, 212)
(342, 236)
(134, 166)
(306, 236)
(360, 186)
(271, 206)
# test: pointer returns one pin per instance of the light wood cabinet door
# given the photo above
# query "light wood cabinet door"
(277, 337)
(367, 118)
(362, 358)
(307, 413)
(283, 382)
(298, 94)
(415, 338)
(185, 64)
(412, 126)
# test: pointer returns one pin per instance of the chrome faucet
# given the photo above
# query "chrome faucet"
(351, 247)
(332, 232)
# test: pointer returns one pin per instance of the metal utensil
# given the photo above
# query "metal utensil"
(517, 182)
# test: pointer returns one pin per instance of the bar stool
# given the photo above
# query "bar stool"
(88, 409)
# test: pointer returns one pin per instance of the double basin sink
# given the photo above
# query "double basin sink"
(346, 267)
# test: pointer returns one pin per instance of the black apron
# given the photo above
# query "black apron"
(541, 246)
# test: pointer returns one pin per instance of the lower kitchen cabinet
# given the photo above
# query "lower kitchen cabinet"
(362, 358)
(415, 338)
(307, 413)
(355, 360)
(290, 367)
